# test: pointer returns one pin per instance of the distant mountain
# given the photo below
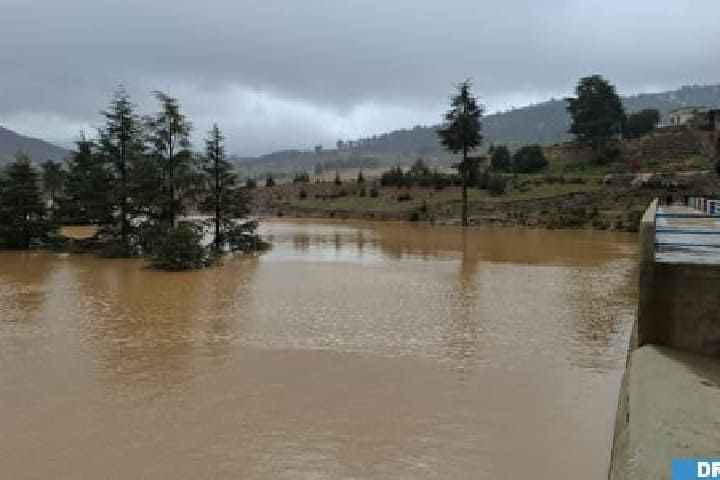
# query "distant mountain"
(38, 150)
(544, 123)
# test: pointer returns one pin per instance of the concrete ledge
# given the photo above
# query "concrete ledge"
(647, 233)
(673, 410)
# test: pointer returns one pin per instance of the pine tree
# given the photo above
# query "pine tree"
(121, 145)
(460, 133)
(170, 138)
(88, 184)
(22, 213)
(597, 112)
(221, 181)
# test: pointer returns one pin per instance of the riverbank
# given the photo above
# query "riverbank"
(537, 202)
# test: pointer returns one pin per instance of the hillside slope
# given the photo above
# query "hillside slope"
(545, 123)
(38, 150)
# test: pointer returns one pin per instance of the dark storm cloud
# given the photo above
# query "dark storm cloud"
(291, 73)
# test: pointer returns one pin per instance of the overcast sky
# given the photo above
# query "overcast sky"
(294, 73)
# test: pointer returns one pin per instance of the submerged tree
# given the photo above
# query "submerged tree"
(460, 133)
(88, 184)
(170, 138)
(221, 181)
(121, 145)
(22, 213)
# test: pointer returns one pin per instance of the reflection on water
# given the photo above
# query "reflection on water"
(351, 350)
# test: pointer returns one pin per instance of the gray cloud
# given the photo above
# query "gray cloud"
(289, 73)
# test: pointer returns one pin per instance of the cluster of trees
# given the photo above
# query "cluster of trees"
(419, 175)
(527, 159)
(598, 115)
(135, 179)
(417, 140)
(23, 216)
(641, 123)
(353, 161)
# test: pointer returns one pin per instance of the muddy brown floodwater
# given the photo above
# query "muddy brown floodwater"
(350, 351)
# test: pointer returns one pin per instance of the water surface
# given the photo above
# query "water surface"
(351, 350)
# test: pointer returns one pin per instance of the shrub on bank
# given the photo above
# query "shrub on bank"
(496, 185)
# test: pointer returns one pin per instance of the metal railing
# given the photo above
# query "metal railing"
(704, 209)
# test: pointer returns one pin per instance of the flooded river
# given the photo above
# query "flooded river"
(350, 351)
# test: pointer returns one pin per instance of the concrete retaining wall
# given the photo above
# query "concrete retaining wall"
(678, 304)
(669, 399)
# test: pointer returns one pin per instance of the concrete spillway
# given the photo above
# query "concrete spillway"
(670, 396)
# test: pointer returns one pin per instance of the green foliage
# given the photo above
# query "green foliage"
(180, 249)
(642, 122)
(404, 197)
(529, 159)
(500, 159)
(461, 130)
(419, 168)
(496, 185)
(219, 190)
(87, 186)
(169, 133)
(120, 146)
(134, 181)
(243, 237)
(597, 112)
(606, 154)
(301, 177)
(460, 133)
(395, 177)
(360, 177)
(23, 218)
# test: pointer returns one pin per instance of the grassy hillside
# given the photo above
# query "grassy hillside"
(575, 190)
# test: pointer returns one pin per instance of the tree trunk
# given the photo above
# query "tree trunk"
(217, 202)
(171, 179)
(123, 194)
(464, 207)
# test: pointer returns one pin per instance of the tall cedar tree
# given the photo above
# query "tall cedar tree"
(221, 179)
(87, 186)
(461, 133)
(597, 112)
(121, 145)
(170, 137)
(22, 213)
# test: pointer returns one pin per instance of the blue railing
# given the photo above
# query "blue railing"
(707, 209)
